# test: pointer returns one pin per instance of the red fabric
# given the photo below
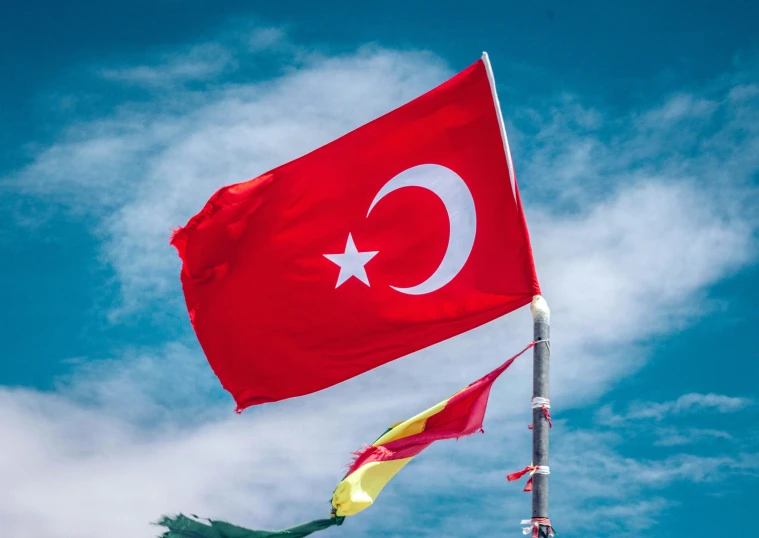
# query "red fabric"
(538, 522)
(462, 415)
(547, 414)
(262, 297)
(519, 474)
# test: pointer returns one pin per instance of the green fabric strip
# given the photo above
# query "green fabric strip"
(184, 527)
(547, 532)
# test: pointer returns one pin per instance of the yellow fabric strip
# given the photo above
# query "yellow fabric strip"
(359, 490)
(411, 426)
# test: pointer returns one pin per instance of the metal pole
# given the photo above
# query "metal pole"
(541, 317)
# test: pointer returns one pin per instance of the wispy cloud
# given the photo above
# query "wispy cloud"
(683, 419)
(199, 63)
(676, 109)
(689, 436)
(204, 62)
(577, 153)
(685, 404)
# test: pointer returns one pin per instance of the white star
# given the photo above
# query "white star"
(351, 263)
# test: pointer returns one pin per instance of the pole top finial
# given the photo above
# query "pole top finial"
(540, 310)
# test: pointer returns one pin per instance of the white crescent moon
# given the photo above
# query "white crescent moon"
(459, 204)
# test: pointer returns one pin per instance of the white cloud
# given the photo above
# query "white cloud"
(743, 92)
(205, 62)
(629, 232)
(677, 108)
(643, 418)
(146, 169)
(199, 63)
(688, 436)
(83, 461)
(687, 403)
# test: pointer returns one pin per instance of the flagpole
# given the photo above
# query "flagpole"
(541, 316)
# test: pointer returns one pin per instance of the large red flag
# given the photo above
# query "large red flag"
(400, 234)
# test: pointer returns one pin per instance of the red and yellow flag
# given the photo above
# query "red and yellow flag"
(461, 414)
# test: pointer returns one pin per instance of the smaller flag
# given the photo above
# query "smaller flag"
(460, 415)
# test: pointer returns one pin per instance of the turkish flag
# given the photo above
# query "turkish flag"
(404, 232)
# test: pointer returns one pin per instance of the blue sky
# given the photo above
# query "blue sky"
(635, 136)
